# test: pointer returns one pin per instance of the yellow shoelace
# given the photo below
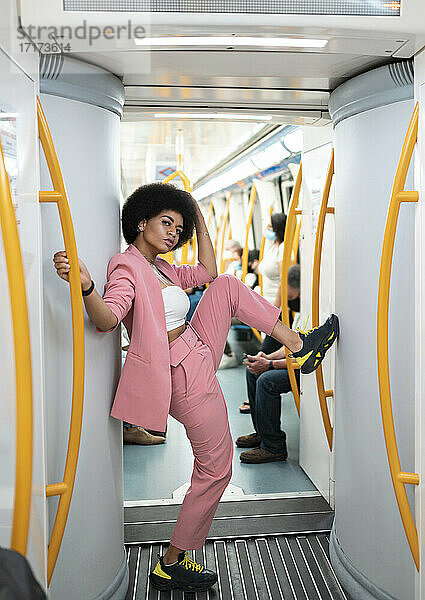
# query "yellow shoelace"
(190, 564)
(306, 331)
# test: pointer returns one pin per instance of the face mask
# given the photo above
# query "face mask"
(294, 304)
(269, 235)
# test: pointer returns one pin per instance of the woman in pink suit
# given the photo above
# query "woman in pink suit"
(171, 364)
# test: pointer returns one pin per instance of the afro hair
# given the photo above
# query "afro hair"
(148, 201)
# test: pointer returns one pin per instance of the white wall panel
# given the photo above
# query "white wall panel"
(419, 317)
(315, 457)
(17, 94)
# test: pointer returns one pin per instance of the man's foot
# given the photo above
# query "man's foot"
(261, 455)
(184, 575)
(316, 343)
(138, 435)
(252, 440)
(245, 408)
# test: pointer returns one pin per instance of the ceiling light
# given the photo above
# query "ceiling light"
(226, 179)
(263, 42)
(233, 116)
(242, 170)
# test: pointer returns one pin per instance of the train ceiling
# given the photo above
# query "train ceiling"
(290, 84)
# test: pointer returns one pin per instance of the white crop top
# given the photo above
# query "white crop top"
(176, 305)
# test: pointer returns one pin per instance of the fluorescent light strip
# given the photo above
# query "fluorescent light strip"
(212, 116)
(273, 42)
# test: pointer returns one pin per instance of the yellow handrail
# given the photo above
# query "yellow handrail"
(59, 196)
(188, 188)
(398, 195)
(223, 225)
(169, 257)
(251, 205)
(210, 213)
(288, 241)
(220, 221)
(260, 257)
(185, 253)
(322, 393)
(296, 242)
(23, 372)
(209, 217)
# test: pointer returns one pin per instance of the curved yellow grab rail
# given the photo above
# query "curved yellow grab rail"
(398, 195)
(288, 243)
(260, 257)
(224, 225)
(65, 488)
(184, 179)
(324, 210)
(188, 188)
(23, 372)
(251, 205)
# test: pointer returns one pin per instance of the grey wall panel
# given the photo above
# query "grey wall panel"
(87, 143)
(367, 521)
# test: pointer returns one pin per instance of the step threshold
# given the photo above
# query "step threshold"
(248, 518)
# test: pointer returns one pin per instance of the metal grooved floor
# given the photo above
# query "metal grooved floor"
(293, 567)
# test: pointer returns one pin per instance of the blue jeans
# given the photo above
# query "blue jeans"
(194, 300)
(264, 397)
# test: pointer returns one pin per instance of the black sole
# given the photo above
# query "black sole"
(166, 585)
(256, 446)
(261, 462)
(310, 369)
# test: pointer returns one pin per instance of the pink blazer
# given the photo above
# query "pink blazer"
(133, 293)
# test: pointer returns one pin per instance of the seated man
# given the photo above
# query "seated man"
(267, 378)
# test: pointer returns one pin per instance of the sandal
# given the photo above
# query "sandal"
(245, 408)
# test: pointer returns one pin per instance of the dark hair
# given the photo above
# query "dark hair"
(294, 276)
(148, 201)
(278, 221)
(253, 255)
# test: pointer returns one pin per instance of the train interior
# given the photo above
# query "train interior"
(310, 109)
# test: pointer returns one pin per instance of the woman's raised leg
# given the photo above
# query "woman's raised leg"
(228, 297)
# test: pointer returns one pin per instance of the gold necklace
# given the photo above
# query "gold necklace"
(160, 276)
(157, 271)
(148, 259)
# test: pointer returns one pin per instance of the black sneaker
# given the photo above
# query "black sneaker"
(185, 575)
(316, 343)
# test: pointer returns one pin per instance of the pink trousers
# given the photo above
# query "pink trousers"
(198, 403)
